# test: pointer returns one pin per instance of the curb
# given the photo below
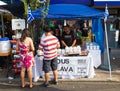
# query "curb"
(62, 80)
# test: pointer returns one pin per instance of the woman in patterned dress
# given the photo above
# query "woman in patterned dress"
(26, 48)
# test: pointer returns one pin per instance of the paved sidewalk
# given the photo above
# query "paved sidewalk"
(63, 86)
(100, 82)
(101, 75)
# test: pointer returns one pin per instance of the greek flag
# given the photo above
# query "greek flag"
(106, 12)
(30, 16)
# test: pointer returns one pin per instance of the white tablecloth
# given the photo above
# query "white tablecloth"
(96, 54)
(68, 67)
(37, 69)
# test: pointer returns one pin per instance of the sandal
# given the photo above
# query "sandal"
(31, 86)
(22, 86)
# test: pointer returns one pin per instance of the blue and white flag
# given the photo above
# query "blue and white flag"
(30, 16)
(106, 12)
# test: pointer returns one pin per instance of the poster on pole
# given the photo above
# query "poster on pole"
(18, 24)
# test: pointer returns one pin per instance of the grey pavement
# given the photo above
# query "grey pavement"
(65, 86)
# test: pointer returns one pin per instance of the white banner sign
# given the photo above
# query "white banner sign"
(68, 67)
(18, 24)
(75, 67)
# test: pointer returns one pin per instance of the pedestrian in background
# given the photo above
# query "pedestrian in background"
(49, 44)
(26, 48)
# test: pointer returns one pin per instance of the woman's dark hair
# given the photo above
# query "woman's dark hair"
(25, 33)
(55, 29)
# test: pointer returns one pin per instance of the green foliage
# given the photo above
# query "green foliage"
(25, 8)
(34, 4)
(45, 11)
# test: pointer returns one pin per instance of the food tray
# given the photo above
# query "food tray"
(83, 53)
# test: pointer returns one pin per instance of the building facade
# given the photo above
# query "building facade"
(113, 23)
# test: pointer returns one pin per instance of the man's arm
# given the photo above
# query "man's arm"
(58, 45)
(74, 43)
(63, 43)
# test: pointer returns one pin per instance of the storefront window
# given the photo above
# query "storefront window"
(112, 28)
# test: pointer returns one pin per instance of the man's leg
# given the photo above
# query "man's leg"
(46, 68)
(47, 78)
(54, 66)
(55, 73)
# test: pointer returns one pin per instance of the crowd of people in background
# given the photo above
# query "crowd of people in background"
(74, 35)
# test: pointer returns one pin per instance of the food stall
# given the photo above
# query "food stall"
(72, 69)
(73, 63)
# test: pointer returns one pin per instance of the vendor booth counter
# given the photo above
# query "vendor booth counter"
(69, 67)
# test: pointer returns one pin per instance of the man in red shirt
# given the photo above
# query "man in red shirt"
(49, 44)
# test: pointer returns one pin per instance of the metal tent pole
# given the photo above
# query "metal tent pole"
(107, 49)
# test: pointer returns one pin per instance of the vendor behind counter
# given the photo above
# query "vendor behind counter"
(68, 37)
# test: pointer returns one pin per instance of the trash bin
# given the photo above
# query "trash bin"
(5, 45)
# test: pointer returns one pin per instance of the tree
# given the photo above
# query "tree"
(34, 4)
